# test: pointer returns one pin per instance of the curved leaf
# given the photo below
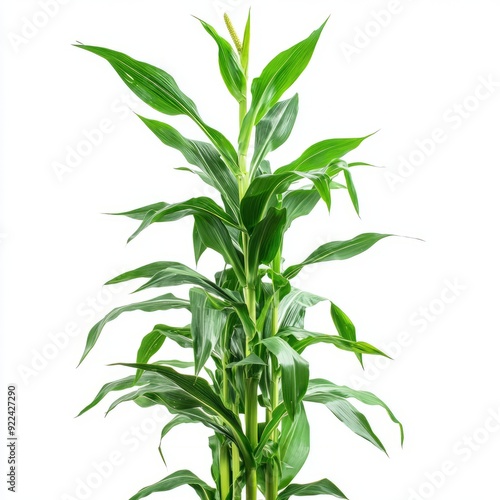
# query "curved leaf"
(229, 64)
(199, 389)
(206, 327)
(337, 250)
(275, 128)
(294, 445)
(176, 211)
(322, 487)
(321, 154)
(202, 155)
(158, 89)
(368, 398)
(179, 478)
(162, 303)
(294, 371)
(265, 240)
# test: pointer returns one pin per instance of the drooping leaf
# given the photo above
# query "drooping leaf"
(321, 154)
(203, 156)
(206, 327)
(162, 303)
(293, 306)
(179, 478)
(351, 188)
(165, 273)
(325, 386)
(275, 128)
(116, 385)
(306, 338)
(176, 211)
(322, 487)
(174, 422)
(198, 246)
(158, 89)
(337, 250)
(251, 359)
(294, 445)
(201, 392)
(295, 373)
(229, 64)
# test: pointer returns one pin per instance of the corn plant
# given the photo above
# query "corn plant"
(249, 380)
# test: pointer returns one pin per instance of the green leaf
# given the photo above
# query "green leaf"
(321, 386)
(295, 373)
(299, 203)
(229, 64)
(351, 188)
(280, 74)
(116, 385)
(344, 326)
(181, 336)
(251, 359)
(176, 421)
(306, 338)
(158, 89)
(176, 211)
(337, 250)
(198, 246)
(265, 240)
(294, 445)
(150, 345)
(200, 391)
(140, 213)
(166, 273)
(293, 306)
(179, 478)
(162, 303)
(201, 155)
(321, 154)
(245, 46)
(214, 234)
(322, 487)
(346, 413)
(274, 129)
(206, 327)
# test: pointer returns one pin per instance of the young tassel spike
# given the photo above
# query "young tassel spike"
(232, 32)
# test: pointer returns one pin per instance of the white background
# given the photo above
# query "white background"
(417, 70)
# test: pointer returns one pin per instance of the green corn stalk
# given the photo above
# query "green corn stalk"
(247, 332)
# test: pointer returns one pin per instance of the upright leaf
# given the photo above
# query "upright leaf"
(294, 444)
(206, 327)
(295, 373)
(280, 74)
(266, 239)
(275, 128)
(229, 64)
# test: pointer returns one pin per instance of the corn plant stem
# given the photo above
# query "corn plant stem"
(272, 476)
(251, 384)
(225, 471)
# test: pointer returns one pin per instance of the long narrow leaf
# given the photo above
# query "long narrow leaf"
(322, 487)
